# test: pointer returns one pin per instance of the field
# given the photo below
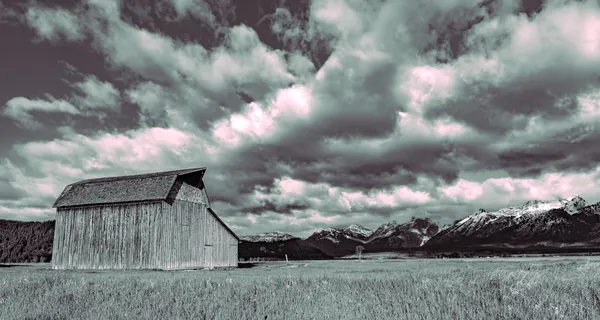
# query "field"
(496, 288)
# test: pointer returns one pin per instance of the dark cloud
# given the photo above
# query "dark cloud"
(563, 154)
(275, 207)
(280, 26)
(531, 7)
(448, 31)
(499, 109)
(8, 192)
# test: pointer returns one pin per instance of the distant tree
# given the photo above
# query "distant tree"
(359, 250)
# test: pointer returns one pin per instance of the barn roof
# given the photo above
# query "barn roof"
(134, 188)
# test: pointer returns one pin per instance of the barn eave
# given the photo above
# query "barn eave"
(111, 204)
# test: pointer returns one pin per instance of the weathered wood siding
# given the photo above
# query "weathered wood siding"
(207, 235)
(148, 235)
(111, 237)
(199, 233)
(190, 193)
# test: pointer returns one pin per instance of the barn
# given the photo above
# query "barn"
(159, 220)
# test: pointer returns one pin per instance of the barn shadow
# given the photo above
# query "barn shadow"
(246, 265)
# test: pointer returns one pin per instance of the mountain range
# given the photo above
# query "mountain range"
(535, 224)
(335, 242)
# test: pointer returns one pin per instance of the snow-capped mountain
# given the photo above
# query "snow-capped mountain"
(536, 223)
(354, 232)
(532, 222)
(358, 231)
(574, 205)
(388, 236)
(385, 230)
(406, 235)
(336, 241)
(529, 209)
(268, 237)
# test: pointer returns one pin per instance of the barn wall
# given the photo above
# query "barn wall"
(153, 235)
(110, 237)
(204, 241)
(208, 236)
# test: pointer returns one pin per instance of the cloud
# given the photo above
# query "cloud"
(517, 67)
(495, 193)
(338, 16)
(96, 94)
(430, 108)
(91, 96)
(199, 9)
(20, 109)
(77, 154)
(18, 201)
(290, 194)
(190, 73)
(7, 14)
(7, 190)
(55, 24)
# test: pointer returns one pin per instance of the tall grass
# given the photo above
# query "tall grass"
(409, 289)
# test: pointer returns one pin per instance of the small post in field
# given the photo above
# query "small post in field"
(286, 259)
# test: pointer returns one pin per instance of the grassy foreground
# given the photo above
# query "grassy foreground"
(387, 289)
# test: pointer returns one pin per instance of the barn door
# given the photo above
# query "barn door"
(208, 256)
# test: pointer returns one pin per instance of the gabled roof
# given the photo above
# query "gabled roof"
(134, 188)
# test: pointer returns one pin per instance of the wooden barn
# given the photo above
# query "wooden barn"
(150, 221)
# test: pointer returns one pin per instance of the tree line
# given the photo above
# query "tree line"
(26, 241)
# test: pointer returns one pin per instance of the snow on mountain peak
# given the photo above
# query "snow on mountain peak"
(360, 230)
(574, 204)
(531, 207)
(389, 225)
(268, 237)
(330, 230)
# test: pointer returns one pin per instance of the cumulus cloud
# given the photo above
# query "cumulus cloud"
(428, 108)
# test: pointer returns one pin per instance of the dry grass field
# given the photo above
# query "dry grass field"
(497, 288)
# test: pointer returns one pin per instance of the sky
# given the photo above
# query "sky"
(307, 114)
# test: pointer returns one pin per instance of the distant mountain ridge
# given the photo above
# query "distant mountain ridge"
(343, 241)
(555, 223)
(535, 223)
(387, 237)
